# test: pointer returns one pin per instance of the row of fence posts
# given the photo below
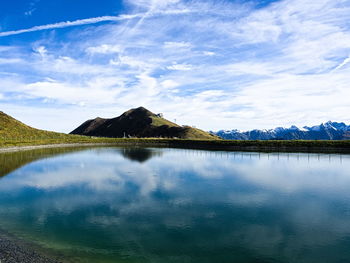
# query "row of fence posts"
(258, 155)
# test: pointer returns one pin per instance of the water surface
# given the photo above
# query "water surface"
(171, 205)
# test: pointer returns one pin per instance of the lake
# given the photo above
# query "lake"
(172, 205)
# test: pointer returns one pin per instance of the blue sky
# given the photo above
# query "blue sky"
(213, 64)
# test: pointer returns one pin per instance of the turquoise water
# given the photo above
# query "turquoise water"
(173, 205)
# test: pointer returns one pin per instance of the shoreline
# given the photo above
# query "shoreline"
(340, 147)
(15, 250)
(48, 146)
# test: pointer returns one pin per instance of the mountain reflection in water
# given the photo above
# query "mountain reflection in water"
(140, 154)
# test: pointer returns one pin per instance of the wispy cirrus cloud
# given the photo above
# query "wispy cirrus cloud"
(65, 24)
(343, 64)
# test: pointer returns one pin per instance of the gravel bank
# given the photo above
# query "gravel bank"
(12, 251)
(34, 147)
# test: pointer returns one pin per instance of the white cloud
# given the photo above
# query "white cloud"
(208, 53)
(93, 92)
(69, 66)
(177, 45)
(181, 67)
(41, 50)
(132, 62)
(104, 49)
(152, 4)
(10, 60)
(169, 84)
(6, 48)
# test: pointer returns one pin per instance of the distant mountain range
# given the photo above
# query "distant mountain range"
(140, 123)
(325, 131)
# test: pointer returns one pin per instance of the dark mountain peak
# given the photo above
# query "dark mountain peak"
(140, 112)
(139, 122)
(141, 109)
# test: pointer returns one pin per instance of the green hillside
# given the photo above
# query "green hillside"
(13, 129)
(189, 132)
(14, 132)
(159, 121)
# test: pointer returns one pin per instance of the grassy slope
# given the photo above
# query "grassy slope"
(12, 129)
(195, 133)
(14, 132)
(158, 121)
(190, 133)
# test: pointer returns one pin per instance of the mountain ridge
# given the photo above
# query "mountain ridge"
(139, 122)
(325, 131)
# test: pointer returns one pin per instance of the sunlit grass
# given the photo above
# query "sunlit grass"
(283, 146)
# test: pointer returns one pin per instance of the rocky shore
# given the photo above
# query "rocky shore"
(15, 251)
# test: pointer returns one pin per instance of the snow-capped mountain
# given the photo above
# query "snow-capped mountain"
(325, 131)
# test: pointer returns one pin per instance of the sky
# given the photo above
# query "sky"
(213, 64)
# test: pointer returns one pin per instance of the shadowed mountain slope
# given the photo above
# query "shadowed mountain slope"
(141, 123)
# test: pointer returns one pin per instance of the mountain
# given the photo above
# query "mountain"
(325, 131)
(11, 128)
(141, 123)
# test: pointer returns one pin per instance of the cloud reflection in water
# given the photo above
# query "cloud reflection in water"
(182, 205)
